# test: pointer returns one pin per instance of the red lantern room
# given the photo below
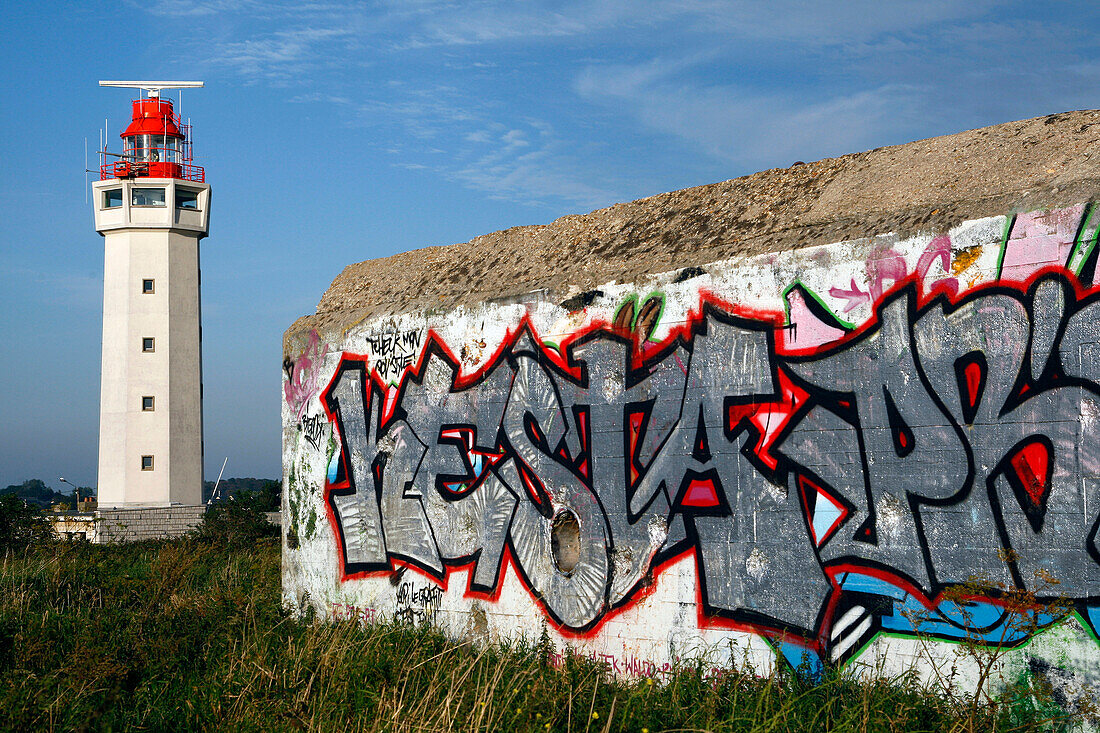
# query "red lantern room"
(156, 144)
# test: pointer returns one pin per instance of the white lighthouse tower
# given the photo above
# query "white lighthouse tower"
(152, 207)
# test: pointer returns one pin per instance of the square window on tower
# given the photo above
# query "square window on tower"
(147, 197)
(187, 199)
(148, 286)
(147, 404)
(112, 198)
(148, 344)
(146, 463)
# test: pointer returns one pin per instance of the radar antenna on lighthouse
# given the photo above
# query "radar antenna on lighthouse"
(151, 87)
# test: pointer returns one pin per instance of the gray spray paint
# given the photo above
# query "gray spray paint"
(915, 427)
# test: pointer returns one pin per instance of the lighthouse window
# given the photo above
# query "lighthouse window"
(187, 199)
(148, 344)
(112, 198)
(156, 148)
(147, 404)
(146, 463)
(148, 197)
(144, 148)
(148, 286)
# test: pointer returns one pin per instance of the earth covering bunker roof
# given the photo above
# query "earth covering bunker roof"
(923, 186)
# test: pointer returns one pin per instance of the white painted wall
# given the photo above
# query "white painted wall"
(159, 243)
(665, 621)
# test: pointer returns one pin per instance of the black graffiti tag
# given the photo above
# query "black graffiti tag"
(393, 351)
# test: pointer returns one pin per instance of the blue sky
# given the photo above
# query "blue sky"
(334, 132)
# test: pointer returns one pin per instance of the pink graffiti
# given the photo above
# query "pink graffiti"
(348, 612)
(890, 266)
(808, 331)
(938, 249)
(854, 296)
(1039, 238)
(303, 383)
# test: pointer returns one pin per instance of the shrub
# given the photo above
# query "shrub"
(21, 524)
(235, 523)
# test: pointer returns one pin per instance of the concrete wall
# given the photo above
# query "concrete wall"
(131, 525)
(847, 453)
(127, 525)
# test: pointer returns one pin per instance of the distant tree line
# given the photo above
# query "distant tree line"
(263, 493)
(235, 517)
(34, 491)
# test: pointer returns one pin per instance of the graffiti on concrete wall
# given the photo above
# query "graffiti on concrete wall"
(825, 493)
(394, 350)
(303, 376)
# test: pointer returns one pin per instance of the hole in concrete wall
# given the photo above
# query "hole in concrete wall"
(565, 541)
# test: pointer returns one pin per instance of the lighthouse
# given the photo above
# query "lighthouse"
(152, 207)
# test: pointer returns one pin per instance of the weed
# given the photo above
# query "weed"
(986, 696)
(192, 636)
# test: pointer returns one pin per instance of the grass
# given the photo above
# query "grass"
(191, 636)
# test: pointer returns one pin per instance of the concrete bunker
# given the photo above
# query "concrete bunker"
(778, 414)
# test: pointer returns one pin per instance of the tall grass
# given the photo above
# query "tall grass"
(188, 636)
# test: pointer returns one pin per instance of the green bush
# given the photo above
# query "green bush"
(235, 523)
(21, 524)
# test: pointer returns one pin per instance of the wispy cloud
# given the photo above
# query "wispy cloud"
(902, 73)
(192, 8)
(747, 126)
(282, 55)
(586, 101)
(525, 161)
(470, 23)
(495, 22)
(318, 98)
(816, 24)
(257, 11)
(529, 165)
